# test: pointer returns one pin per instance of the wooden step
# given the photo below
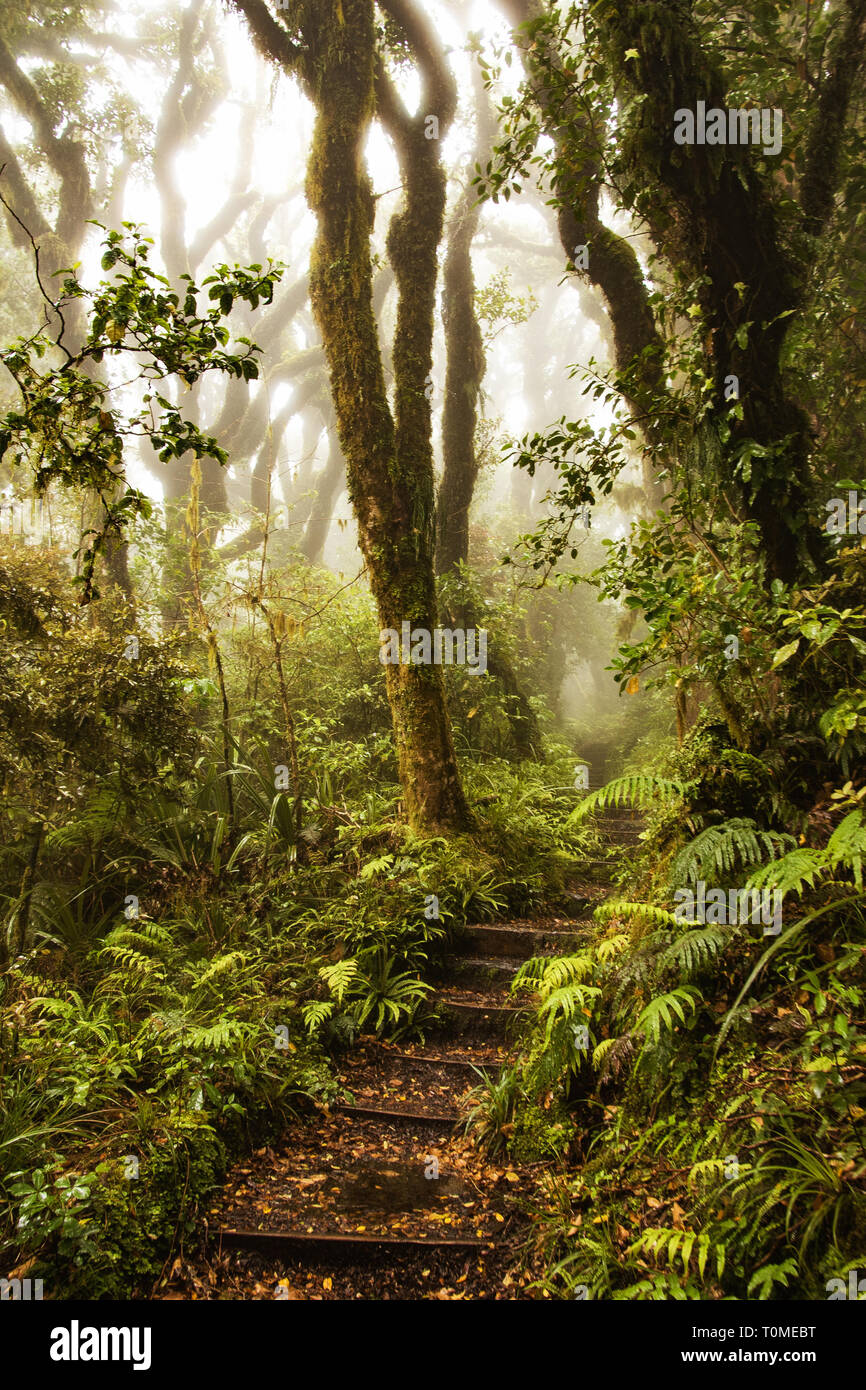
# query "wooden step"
(463, 1017)
(458, 1063)
(504, 940)
(336, 1244)
(379, 1112)
(480, 970)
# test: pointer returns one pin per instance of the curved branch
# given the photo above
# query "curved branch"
(65, 155)
(440, 90)
(271, 39)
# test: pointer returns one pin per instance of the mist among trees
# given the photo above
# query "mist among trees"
(432, 634)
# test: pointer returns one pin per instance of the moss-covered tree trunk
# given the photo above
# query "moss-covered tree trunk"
(464, 374)
(389, 462)
(714, 214)
(611, 262)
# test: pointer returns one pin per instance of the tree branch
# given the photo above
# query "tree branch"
(270, 38)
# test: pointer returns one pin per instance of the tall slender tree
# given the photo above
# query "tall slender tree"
(332, 46)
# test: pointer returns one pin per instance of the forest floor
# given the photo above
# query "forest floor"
(385, 1197)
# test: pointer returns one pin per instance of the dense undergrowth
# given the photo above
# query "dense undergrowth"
(186, 961)
(693, 1086)
(188, 940)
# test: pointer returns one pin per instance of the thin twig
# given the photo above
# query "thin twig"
(45, 295)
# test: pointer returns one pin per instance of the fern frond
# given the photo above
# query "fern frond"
(712, 1168)
(611, 947)
(222, 965)
(315, 1012)
(530, 972)
(636, 790)
(340, 976)
(720, 849)
(847, 845)
(216, 1037)
(612, 1055)
(145, 936)
(660, 1012)
(600, 1052)
(765, 1279)
(695, 950)
(789, 874)
(565, 970)
(664, 1244)
(619, 909)
(567, 1001)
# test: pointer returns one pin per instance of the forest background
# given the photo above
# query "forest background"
(322, 318)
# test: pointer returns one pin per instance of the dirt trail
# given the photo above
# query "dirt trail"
(384, 1197)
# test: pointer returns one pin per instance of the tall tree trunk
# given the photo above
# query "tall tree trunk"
(464, 374)
(714, 215)
(329, 485)
(611, 264)
(389, 459)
